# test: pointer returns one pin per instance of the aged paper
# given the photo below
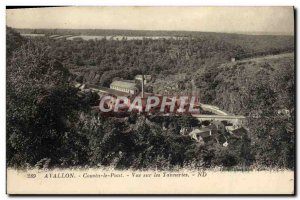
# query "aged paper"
(150, 100)
(97, 181)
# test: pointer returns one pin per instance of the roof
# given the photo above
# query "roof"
(212, 126)
(203, 132)
(123, 84)
(230, 128)
(239, 132)
(116, 93)
(108, 90)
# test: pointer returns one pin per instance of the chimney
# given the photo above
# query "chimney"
(143, 85)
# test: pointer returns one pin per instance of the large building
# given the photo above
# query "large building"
(124, 86)
(147, 78)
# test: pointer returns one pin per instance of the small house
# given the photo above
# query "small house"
(200, 134)
(147, 78)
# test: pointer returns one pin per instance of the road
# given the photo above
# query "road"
(261, 58)
(213, 109)
(232, 118)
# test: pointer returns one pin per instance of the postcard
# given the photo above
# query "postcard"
(150, 100)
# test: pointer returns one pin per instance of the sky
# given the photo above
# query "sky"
(209, 19)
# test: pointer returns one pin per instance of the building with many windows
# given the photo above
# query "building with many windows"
(124, 86)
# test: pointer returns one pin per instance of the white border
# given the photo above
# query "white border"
(4, 3)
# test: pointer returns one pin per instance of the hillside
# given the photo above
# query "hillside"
(99, 61)
(46, 118)
(238, 81)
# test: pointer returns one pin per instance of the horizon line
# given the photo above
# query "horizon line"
(162, 30)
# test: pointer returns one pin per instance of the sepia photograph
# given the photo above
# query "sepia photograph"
(140, 100)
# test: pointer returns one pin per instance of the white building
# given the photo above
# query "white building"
(147, 78)
(124, 86)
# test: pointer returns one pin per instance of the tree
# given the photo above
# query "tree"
(41, 108)
(13, 41)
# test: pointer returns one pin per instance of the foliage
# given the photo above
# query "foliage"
(260, 90)
(41, 108)
(49, 123)
(13, 42)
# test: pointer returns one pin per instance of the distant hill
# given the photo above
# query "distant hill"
(112, 32)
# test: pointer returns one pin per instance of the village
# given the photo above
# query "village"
(214, 125)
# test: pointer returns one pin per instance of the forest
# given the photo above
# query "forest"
(49, 124)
